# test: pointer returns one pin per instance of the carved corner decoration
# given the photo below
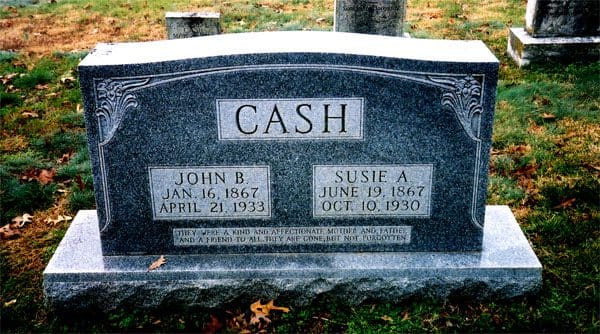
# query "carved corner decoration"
(113, 98)
(464, 99)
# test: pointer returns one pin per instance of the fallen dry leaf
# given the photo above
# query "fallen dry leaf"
(9, 231)
(29, 175)
(565, 204)
(8, 77)
(159, 262)
(548, 117)
(213, 326)
(387, 318)
(30, 114)
(10, 303)
(58, 219)
(46, 176)
(20, 221)
(67, 79)
(64, 158)
(261, 312)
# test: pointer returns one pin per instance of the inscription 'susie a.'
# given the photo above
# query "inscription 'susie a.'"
(375, 190)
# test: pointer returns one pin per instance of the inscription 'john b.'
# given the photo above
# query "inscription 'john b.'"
(290, 119)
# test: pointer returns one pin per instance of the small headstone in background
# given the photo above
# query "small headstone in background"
(192, 24)
(557, 30)
(554, 18)
(377, 17)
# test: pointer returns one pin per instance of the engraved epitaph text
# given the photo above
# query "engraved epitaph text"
(292, 235)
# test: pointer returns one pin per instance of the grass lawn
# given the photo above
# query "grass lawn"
(545, 165)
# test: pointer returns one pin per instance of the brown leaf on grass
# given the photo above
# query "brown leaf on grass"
(46, 176)
(597, 168)
(521, 149)
(541, 101)
(10, 303)
(67, 79)
(261, 312)
(58, 219)
(30, 114)
(387, 318)
(238, 324)
(80, 183)
(8, 78)
(64, 158)
(29, 175)
(548, 117)
(159, 262)
(567, 203)
(6, 232)
(527, 170)
(213, 326)
(20, 221)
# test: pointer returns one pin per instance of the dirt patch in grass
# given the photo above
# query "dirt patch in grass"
(81, 28)
(77, 30)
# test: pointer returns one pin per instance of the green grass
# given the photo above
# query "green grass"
(545, 165)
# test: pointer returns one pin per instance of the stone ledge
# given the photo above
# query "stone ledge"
(79, 278)
(525, 49)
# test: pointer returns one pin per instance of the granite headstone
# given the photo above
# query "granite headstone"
(557, 30)
(554, 18)
(289, 165)
(378, 17)
(323, 146)
(192, 24)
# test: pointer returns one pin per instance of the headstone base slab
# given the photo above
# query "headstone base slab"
(526, 49)
(78, 278)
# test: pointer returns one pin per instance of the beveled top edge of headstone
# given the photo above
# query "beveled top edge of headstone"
(204, 14)
(289, 42)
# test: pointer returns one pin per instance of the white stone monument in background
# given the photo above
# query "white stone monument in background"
(557, 30)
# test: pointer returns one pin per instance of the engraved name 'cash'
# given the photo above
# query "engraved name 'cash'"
(210, 192)
(290, 119)
(394, 190)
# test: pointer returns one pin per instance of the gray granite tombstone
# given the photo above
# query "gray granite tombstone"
(378, 17)
(192, 24)
(558, 30)
(289, 164)
(326, 151)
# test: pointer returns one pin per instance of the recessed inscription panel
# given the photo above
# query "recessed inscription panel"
(210, 192)
(291, 119)
(372, 190)
(326, 235)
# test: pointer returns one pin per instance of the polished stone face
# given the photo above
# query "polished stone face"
(290, 142)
